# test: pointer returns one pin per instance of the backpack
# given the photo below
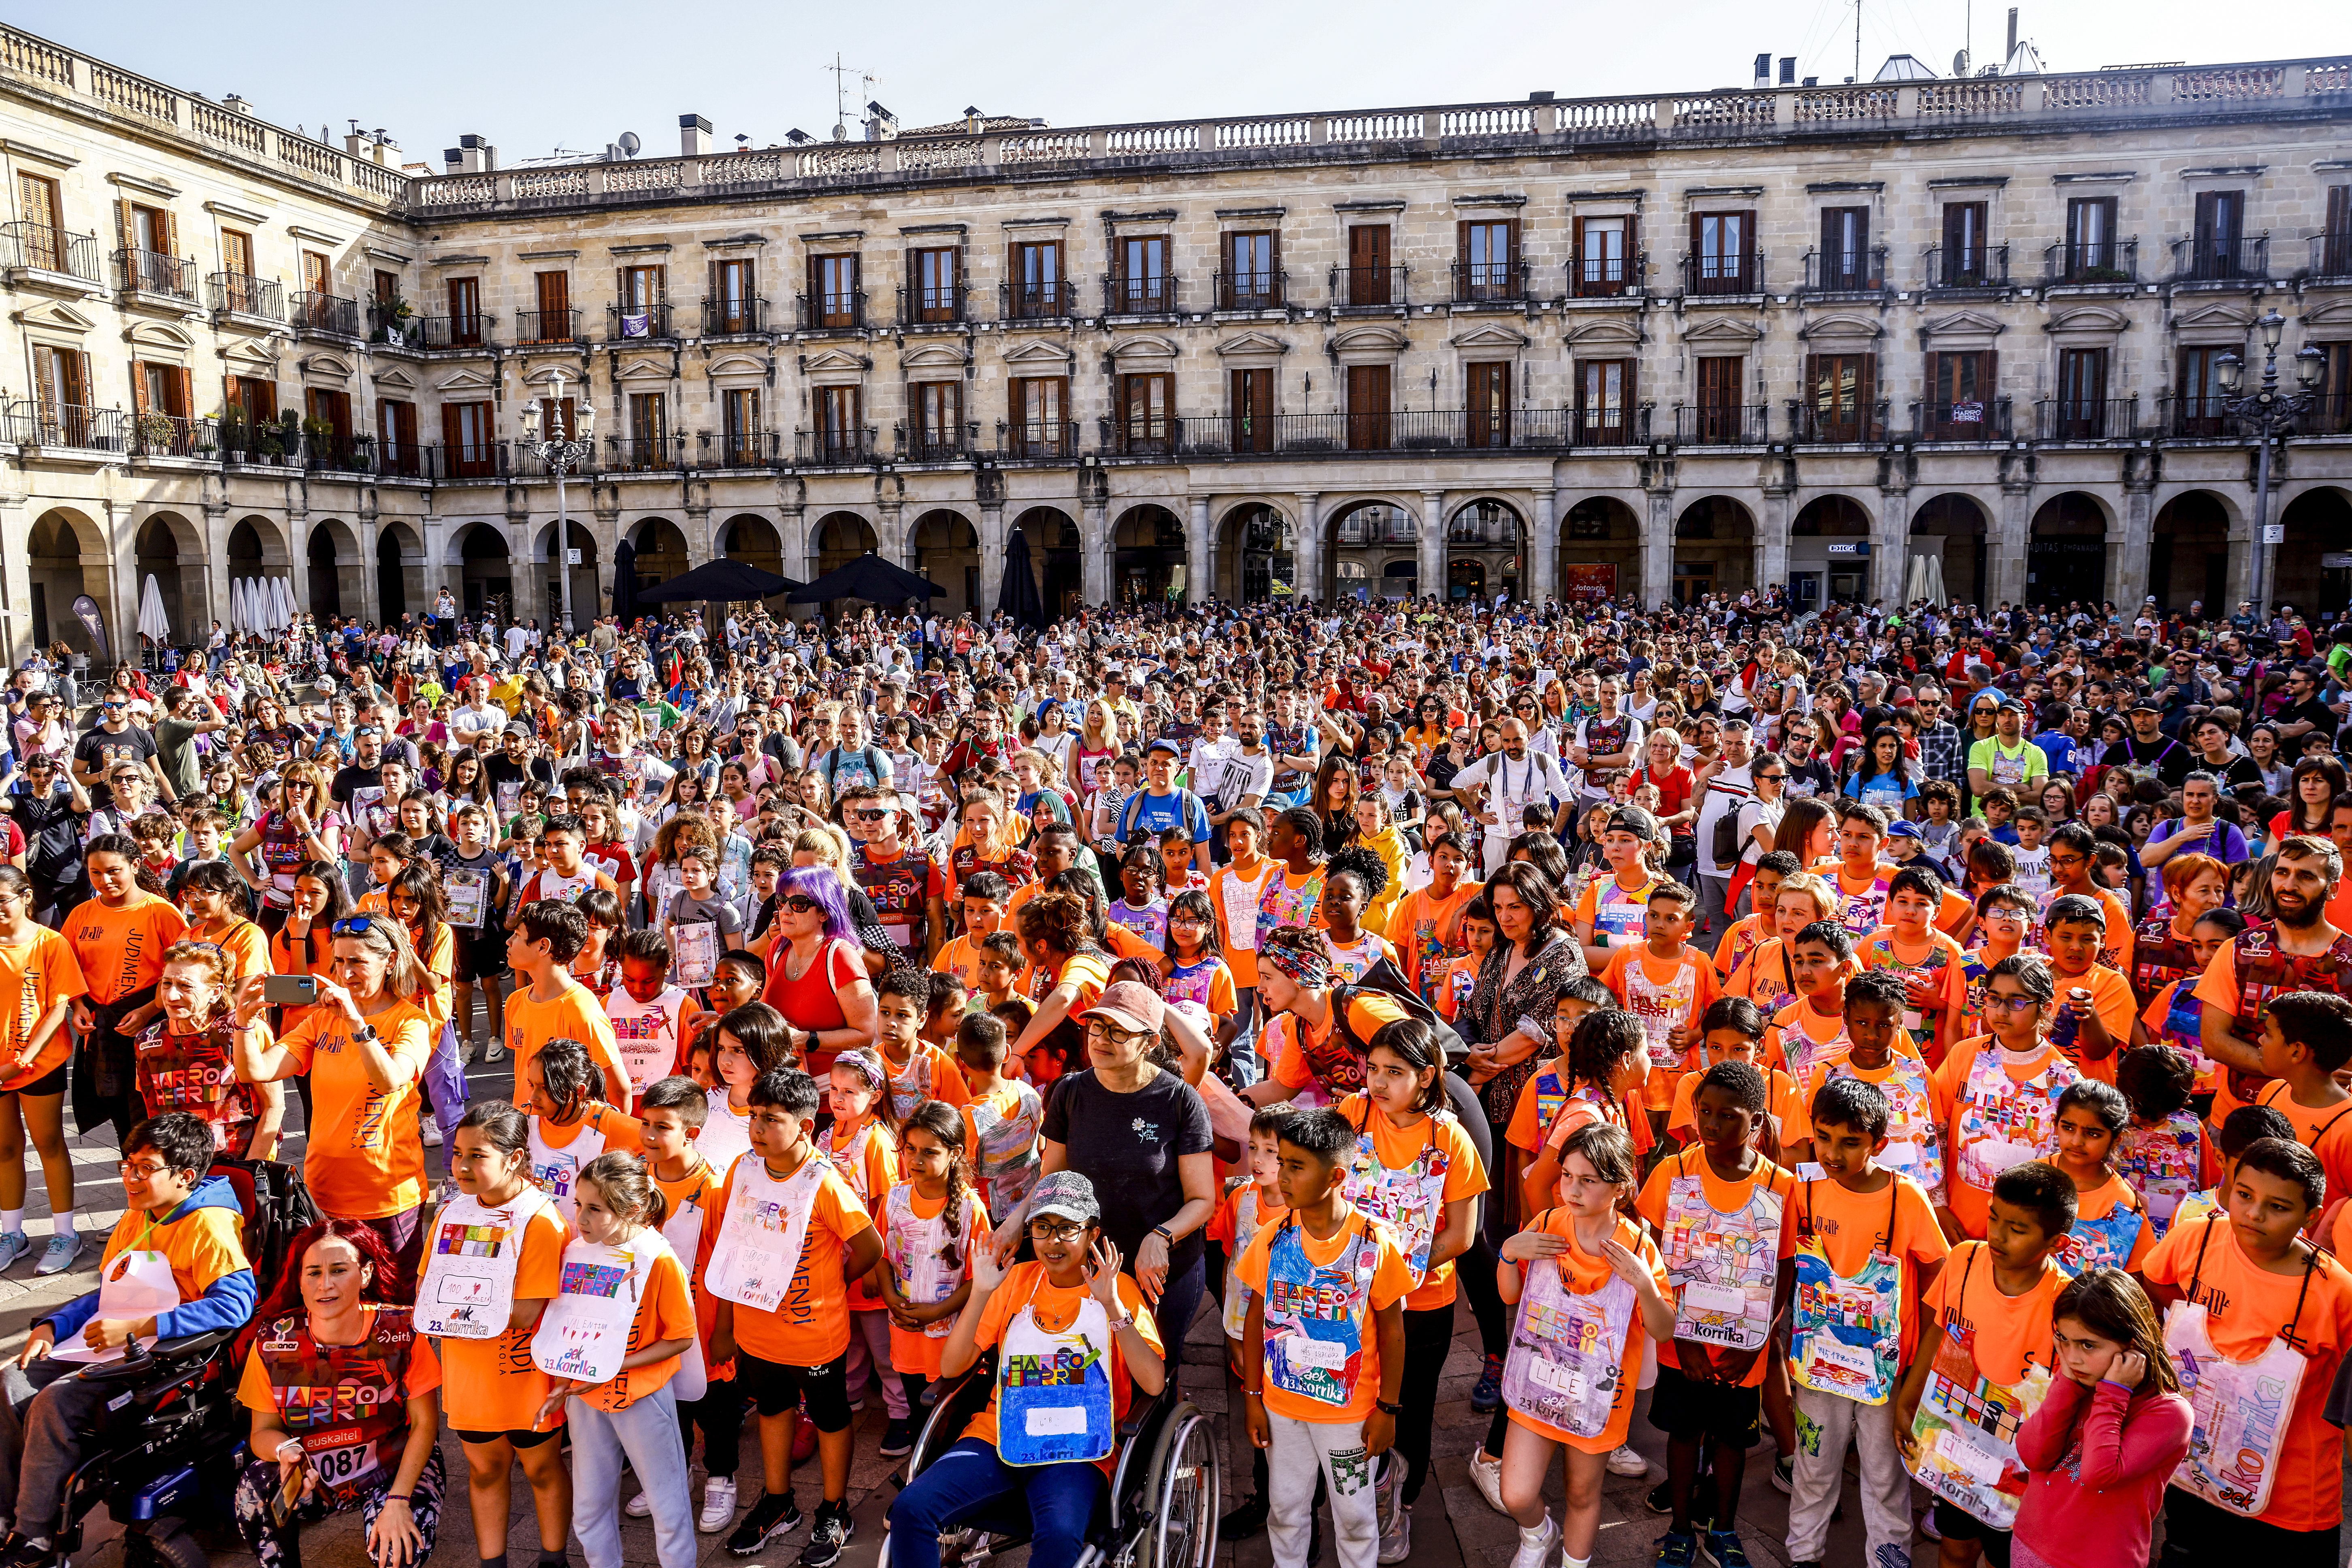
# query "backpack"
(1389, 981)
(1134, 810)
(1723, 842)
(873, 766)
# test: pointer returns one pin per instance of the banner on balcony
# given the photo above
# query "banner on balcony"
(1588, 583)
(636, 326)
(93, 620)
(1967, 412)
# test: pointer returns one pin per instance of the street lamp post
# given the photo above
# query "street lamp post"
(562, 455)
(2269, 411)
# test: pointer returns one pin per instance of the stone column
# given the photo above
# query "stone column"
(1309, 557)
(370, 531)
(118, 594)
(530, 577)
(2006, 551)
(2241, 559)
(1431, 540)
(2128, 556)
(992, 556)
(1094, 552)
(1890, 559)
(1658, 551)
(1543, 549)
(1772, 524)
(16, 580)
(1200, 554)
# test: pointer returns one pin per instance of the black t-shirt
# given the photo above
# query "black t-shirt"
(2318, 714)
(98, 752)
(1810, 780)
(1127, 1146)
(2235, 771)
(2172, 760)
(354, 778)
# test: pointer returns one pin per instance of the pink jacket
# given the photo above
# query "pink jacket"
(2097, 1462)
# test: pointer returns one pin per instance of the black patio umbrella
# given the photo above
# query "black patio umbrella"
(717, 582)
(624, 583)
(869, 577)
(1019, 597)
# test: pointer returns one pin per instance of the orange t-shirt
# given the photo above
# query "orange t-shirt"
(1750, 932)
(1054, 1309)
(47, 959)
(2112, 1000)
(1849, 1225)
(121, 951)
(1972, 1206)
(244, 946)
(700, 1188)
(577, 1015)
(1369, 1012)
(961, 958)
(1397, 1149)
(2249, 1306)
(2326, 1130)
(1583, 1274)
(1723, 1197)
(1427, 932)
(1820, 1036)
(1947, 987)
(440, 967)
(812, 1326)
(664, 1312)
(493, 1386)
(2012, 1333)
(256, 1391)
(1781, 1102)
(1662, 991)
(1390, 1283)
(365, 1160)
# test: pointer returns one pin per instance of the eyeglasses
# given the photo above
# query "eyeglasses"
(2010, 1004)
(1047, 1230)
(1112, 1035)
(144, 1172)
(2004, 917)
(874, 814)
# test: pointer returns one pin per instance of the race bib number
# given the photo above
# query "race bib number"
(334, 1467)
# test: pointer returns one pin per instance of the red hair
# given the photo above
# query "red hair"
(285, 1299)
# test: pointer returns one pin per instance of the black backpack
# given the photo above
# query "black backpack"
(1386, 979)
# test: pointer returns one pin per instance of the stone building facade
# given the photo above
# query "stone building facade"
(1654, 345)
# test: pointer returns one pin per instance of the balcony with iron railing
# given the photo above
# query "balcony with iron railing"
(2331, 257)
(59, 253)
(2086, 418)
(259, 442)
(936, 444)
(2091, 262)
(548, 326)
(739, 449)
(151, 272)
(1721, 277)
(159, 434)
(1974, 419)
(1722, 424)
(2204, 419)
(1037, 440)
(931, 305)
(840, 310)
(2327, 413)
(392, 325)
(1155, 437)
(396, 461)
(2221, 258)
(1369, 289)
(1142, 294)
(1965, 267)
(1409, 431)
(1052, 300)
(644, 454)
(1490, 282)
(240, 294)
(338, 452)
(1250, 290)
(734, 318)
(454, 333)
(1860, 270)
(1605, 277)
(1844, 422)
(834, 447)
(642, 324)
(470, 460)
(328, 314)
(69, 426)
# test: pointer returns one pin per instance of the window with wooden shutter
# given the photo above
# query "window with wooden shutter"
(1488, 385)
(1961, 396)
(550, 320)
(236, 253)
(841, 422)
(332, 407)
(648, 430)
(1603, 247)
(1843, 388)
(395, 433)
(1843, 260)
(1370, 394)
(1036, 284)
(2090, 254)
(1486, 259)
(256, 399)
(318, 273)
(1604, 401)
(2335, 257)
(1722, 394)
(465, 296)
(643, 301)
(734, 297)
(466, 433)
(1962, 262)
(934, 275)
(2216, 252)
(39, 210)
(387, 287)
(1251, 281)
(1139, 283)
(1040, 416)
(938, 418)
(1370, 280)
(1147, 410)
(1251, 403)
(2201, 397)
(834, 298)
(1723, 253)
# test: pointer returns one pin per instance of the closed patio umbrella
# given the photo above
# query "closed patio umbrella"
(281, 604)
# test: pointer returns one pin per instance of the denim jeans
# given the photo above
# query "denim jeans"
(968, 1477)
(1178, 1304)
(647, 1433)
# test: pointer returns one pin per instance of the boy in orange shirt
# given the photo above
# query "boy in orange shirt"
(1813, 1027)
(1768, 977)
(984, 897)
(1609, 917)
(1666, 985)
(1331, 1276)
(787, 1214)
(1861, 878)
(548, 1004)
(1928, 962)
(1718, 1208)
(2306, 1040)
(1753, 930)
(1479, 934)
(2096, 1006)
(1426, 924)
(1732, 1030)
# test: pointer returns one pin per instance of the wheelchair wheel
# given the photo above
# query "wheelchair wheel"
(170, 1544)
(1184, 1486)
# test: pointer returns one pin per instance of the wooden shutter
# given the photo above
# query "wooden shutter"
(139, 402)
(1510, 245)
(2208, 211)
(452, 437)
(170, 233)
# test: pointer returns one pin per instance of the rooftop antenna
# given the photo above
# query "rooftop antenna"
(841, 75)
(1857, 42)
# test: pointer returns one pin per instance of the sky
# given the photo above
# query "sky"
(536, 79)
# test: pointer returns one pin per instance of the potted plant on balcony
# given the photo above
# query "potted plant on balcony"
(155, 432)
(392, 319)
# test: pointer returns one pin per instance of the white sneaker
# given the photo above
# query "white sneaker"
(1396, 1542)
(1535, 1545)
(1487, 1473)
(494, 1052)
(718, 1505)
(433, 1140)
(1387, 1496)
(1625, 1462)
(640, 1507)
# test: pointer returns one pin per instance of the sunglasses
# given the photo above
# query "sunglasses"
(358, 925)
(801, 904)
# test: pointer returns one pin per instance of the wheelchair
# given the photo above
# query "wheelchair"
(1163, 1502)
(172, 1437)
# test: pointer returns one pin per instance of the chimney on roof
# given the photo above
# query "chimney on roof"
(475, 155)
(235, 104)
(2013, 34)
(693, 135)
(881, 125)
(1787, 70)
(1764, 69)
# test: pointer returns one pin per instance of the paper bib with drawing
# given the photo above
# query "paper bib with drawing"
(467, 1289)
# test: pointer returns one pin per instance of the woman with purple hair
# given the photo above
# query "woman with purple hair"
(816, 975)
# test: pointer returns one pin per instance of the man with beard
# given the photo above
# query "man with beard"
(2296, 950)
(1511, 780)
(1728, 788)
